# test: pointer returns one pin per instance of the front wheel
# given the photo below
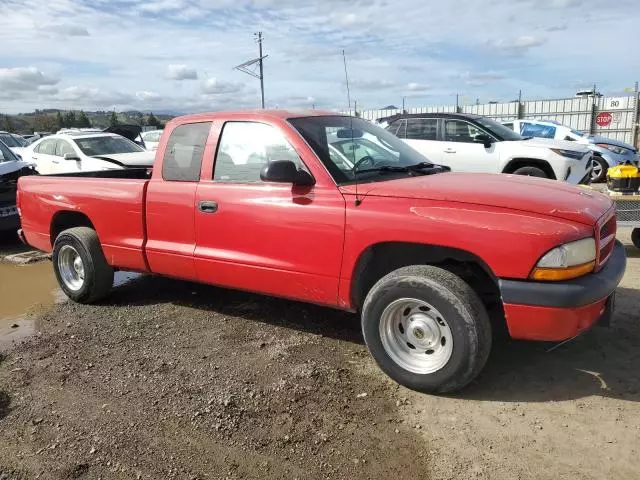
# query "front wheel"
(599, 169)
(80, 267)
(427, 329)
(531, 172)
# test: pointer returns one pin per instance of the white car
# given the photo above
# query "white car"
(151, 139)
(607, 152)
(76, 151)
(470, 143)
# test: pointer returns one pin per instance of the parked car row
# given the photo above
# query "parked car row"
(607, 152)
(471, 143)
(11, 168)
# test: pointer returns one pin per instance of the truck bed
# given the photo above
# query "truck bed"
(113, 200)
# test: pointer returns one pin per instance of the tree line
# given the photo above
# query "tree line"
(52, 123)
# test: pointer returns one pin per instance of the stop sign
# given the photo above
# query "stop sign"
(603, 119)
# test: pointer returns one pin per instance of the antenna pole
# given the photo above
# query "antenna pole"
(346, 75)
(261, 71)
(355, 172)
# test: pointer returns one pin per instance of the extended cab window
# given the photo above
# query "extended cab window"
(246, 147)
(460, 131)
(183, 155)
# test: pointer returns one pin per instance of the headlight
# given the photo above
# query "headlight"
(567, 261)
(614, 148)
(569, 153)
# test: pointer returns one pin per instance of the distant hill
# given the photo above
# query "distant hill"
(47, 120)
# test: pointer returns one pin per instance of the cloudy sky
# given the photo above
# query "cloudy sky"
(178, 55)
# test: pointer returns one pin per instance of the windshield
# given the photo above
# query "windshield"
(107, 145)
(499, 130)
(9, 141)
(352, 147)
(6, 155)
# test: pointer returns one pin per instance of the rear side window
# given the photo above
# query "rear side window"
(537, 130)
(422, 129)
(183, 155)
(47, 147)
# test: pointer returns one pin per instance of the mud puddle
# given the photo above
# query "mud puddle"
(26, 291)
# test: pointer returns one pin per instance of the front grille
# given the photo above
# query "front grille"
(606, 237)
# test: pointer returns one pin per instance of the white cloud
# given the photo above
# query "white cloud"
(372, 84)
(65, 30)
(418, 87)
(23, 79)
(181, 72)
(148, 96)
(213, 86)
(518, 45)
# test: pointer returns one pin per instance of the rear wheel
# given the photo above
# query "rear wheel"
(80, 267)
(427, 329)
(599, 170)
(531, 172)
(635, 237)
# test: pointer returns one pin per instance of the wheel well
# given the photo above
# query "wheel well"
(543, 165)
(65, 220)
(380, 259)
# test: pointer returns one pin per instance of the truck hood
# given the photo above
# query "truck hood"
(552, 143)
(528, 194)
(134, 159)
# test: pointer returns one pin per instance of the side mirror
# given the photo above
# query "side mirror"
(285, 171)
(483, 138)
(71, 156)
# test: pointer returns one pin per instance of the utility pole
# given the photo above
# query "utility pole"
(403, 104)
(244, 67)
(261, 71)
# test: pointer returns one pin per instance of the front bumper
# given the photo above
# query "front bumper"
(554, 311)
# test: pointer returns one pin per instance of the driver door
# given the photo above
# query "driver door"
(267, 237)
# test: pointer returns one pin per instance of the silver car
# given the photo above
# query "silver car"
(606, 151)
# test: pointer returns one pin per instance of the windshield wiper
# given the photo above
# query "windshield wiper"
(418, 167)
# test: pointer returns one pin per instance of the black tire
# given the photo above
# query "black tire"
(635, 237)
(604, 166)
(98, 274)
(531, 172)
(457, 302)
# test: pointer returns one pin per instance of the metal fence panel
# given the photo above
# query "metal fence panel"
(578, 113)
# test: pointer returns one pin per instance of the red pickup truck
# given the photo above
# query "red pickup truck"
(336, 211)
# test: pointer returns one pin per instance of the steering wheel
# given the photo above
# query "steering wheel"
(363, 160)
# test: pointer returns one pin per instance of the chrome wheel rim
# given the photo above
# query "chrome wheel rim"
(416, 336)
(71, 268)
(596, 170)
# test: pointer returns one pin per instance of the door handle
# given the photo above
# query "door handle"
(34, 158)
(449, 150)
(208, 206)
(55, 161)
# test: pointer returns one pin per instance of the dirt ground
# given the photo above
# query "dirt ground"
(169, 379)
